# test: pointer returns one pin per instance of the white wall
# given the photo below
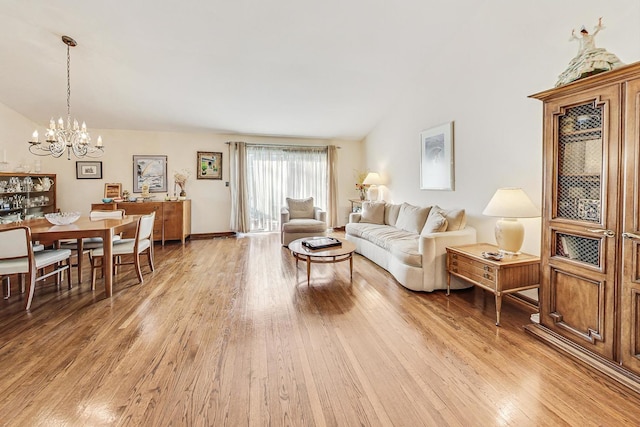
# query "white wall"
(507, 52)
(211, 204)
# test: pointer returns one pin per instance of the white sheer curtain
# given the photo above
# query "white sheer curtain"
(276, 172)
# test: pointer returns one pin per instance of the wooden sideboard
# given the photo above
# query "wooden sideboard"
(173, 218)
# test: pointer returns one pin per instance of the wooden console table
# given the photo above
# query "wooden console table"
(173, 218)
(513, 273)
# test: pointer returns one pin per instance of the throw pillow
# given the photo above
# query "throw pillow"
(372, 213)
(300, 208)
(456, 218)
(412, 218)
(391, 212)
(436, 223)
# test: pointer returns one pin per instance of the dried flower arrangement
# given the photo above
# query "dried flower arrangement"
(181, 178)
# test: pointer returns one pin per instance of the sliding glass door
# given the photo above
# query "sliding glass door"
(277, 172)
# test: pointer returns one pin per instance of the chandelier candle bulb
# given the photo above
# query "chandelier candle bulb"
(99, 141)
(34, 136)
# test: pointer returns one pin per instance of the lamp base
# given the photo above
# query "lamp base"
(372, 193)
(509, 235)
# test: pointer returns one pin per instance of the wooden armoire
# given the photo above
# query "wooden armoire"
(590, 256)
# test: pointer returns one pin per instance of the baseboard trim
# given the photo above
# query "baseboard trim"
(221, 235)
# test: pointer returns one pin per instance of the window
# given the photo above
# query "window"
(275, 173)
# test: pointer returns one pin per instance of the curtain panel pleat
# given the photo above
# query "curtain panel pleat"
(239, 221)
(332, 172)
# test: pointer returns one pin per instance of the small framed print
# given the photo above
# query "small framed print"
(113, 190)
(88, 170)
(209, 165)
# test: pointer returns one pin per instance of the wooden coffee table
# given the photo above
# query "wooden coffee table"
(323, 256)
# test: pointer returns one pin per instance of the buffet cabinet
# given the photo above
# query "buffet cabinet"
(173, 218)
(26, 195)
(590, 253)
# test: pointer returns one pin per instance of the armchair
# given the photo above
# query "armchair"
(300, 218)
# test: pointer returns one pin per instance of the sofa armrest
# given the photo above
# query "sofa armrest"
(319, 214)
(355, 217)
(441, 240)
(284, 215)
(433, 248)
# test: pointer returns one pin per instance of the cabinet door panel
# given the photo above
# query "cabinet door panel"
(173, 220)
(577, 309)
(630, 289)
(582, 153)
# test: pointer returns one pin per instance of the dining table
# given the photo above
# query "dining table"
(42, 230)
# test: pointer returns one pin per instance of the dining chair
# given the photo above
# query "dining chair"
(89, 243)
(6, 280)
(18, 257)
(141, 243)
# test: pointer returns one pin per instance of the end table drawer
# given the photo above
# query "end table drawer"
(473, 270)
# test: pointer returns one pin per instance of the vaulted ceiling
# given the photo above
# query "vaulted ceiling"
(306, 68)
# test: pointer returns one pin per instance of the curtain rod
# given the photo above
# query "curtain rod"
(284, 145)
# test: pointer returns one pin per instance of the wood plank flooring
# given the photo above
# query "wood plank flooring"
(226, 332)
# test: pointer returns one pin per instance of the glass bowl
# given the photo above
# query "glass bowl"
(62, 218)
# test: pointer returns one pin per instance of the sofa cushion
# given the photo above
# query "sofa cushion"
(391, 212)
(406, 251)
(456, 218)
(300, 208)
(436, 223)
(304, 225)
(372, 213)
(412, 218)
(380, 235)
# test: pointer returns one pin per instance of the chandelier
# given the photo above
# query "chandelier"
(70, 137)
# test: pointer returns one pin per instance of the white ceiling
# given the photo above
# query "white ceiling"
(305, 68)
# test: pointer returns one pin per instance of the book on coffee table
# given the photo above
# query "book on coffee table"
(315, 243)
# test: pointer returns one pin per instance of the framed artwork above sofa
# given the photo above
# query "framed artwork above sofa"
(436, 158)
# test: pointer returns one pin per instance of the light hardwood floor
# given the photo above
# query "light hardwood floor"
(226, 332)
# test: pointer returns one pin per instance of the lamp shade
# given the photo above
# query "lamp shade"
(372, 179)
(511, 203)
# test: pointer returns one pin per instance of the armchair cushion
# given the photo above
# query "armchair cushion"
(300, 208)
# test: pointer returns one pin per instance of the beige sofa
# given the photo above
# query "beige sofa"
(410, 241)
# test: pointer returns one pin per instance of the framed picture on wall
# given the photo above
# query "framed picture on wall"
(88, 170)
(151, 170)
(209, 165)
(436, 158)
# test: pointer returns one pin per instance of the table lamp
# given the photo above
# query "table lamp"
(510, 204)
(372, 180)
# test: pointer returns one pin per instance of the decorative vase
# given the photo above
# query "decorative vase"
(362, 195)
(183, 193)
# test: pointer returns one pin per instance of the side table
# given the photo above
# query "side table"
(513, 273)
(356, 205)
